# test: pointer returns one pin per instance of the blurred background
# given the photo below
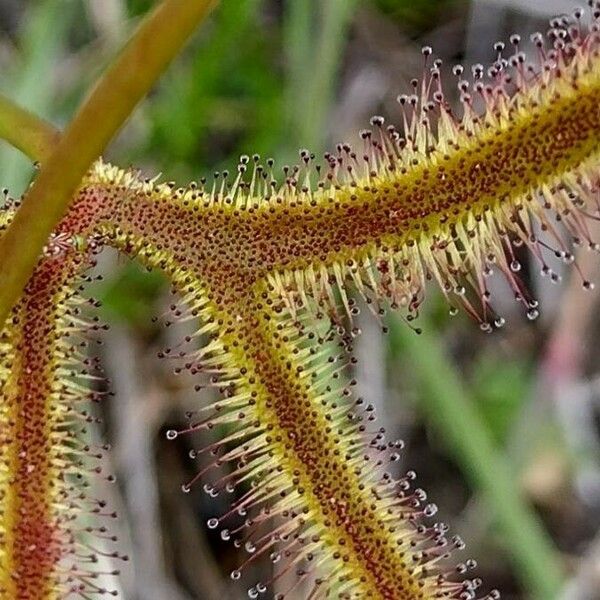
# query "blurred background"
(272, 76)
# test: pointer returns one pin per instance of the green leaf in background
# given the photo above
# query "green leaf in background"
(500, 389)
(130, 295)
(417, 15)
(40, 48)
(222, 98)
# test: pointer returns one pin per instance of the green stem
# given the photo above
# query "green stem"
(31, 135)
(156, 42)
(448, 407)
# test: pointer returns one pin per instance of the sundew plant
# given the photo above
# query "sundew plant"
(270, 266)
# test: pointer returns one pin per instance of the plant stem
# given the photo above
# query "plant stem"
(156, 42)
(31, 135)
(448, 407)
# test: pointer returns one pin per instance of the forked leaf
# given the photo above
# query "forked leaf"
(266, 269)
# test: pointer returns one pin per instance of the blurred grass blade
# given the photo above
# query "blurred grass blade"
(41, 42)
(297, 32)
(448, 408)
(314, 64)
